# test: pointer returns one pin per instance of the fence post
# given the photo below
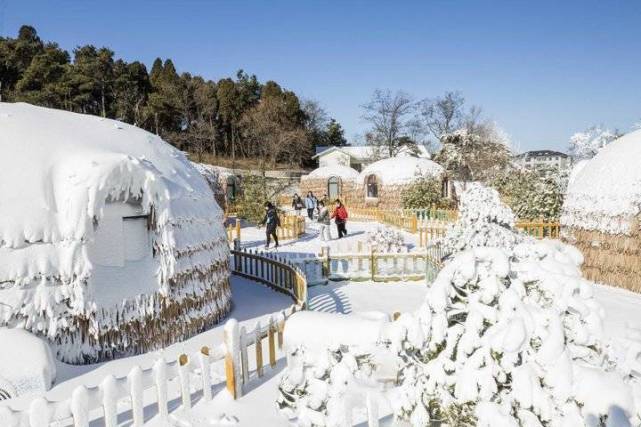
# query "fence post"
(259, 350)
(232, 344)
(136, 392)
(80, 406)
(238, 228)
(244, 362)
(272, 343)
(183, 374)
(205, 372)
(372, 260)
(38, 413)
(110, 400)
(325, 260)
(160, 377)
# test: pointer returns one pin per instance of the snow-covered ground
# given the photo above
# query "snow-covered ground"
(253, 302)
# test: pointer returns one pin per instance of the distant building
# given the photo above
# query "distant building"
(356, 157)
(543, 159)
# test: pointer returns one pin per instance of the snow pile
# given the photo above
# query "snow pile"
(385, 239)
(512, 338)
(340, 171)
(605, 195)
(27, 365)
(483, 221)
(402, 169)
(59, 172)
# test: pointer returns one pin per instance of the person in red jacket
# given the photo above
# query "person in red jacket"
(340, 218)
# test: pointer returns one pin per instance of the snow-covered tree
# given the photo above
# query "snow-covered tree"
(483, 221)
(586, 144)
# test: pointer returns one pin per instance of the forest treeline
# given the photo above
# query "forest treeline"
(236, 117)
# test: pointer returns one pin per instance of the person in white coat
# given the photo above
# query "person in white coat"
(310, 205)
(323, 221)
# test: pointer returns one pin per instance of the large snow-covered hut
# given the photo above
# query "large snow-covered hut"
(382, 183)
(111, 243)
(336, 181)
(602, 210)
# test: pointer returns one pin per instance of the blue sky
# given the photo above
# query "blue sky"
(541, 69)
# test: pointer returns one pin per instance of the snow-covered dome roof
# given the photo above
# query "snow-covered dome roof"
(61, 173)
(605, 193)
(343, 172)
(402, 169)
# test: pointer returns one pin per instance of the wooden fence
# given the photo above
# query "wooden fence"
(116, 395)
(291, 227)
(540, 230)
(410, 220)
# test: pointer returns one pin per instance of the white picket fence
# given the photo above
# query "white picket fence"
(116, 395)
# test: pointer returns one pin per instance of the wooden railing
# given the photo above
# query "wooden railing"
(410, 220)
(291, 227)
(233, 231)
(540, 230)
(271, 270)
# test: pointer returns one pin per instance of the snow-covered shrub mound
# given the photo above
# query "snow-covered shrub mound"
(27, 365)
(511, 338)
(111, 242)
(385, 239)
(322, 388)
(483, 221)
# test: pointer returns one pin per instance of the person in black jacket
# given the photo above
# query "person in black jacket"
(271, 221)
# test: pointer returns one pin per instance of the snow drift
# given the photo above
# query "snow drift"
(72, 267)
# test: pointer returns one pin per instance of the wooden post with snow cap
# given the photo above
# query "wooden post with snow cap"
(183, 374)
(109, 389)
(160, 379)
(80, 406)
(39, 414)
(232, 371)
(259, 350)
(205, 372)
(134, 379)
(272, 343)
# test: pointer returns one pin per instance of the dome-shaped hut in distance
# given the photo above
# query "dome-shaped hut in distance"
(382, 183)
(336, 181)
(111, 243)
(602, 210)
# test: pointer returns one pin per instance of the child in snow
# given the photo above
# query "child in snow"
(340, 218)
(271, 221)
(323, 220)
(297, 204)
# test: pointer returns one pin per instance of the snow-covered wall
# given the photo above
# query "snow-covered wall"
(67, 182)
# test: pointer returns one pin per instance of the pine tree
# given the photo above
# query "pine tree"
(334, 134)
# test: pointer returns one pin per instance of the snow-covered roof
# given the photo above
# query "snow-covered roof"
(365, 152)
(605, 193)
(402, 169)
(58, 170)
(344, 172)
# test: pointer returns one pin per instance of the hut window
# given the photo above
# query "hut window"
(333, 186)
(136, 236)
(231, 188)
(372, 186)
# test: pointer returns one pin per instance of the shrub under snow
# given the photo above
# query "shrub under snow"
(483, 221)
(386, 240)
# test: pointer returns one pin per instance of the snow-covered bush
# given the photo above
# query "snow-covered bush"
(424, 193)
(512, 338)
(483, 221)
(533, 194)
(320, 389)
(586, 144)
(386, 240)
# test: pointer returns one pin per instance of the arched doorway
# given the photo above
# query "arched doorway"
(333, 187)
(372, 186)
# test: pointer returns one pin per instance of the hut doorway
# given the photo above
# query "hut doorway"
(372, 186)
(232, 189)
(333, 188)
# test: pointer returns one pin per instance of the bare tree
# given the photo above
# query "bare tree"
(444, 115)
(393, 120)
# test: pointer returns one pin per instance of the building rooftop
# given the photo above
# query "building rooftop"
(541, 153)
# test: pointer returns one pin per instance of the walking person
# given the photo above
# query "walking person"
(310, 205)
(271, 221)
(340, 218)
(323, 221)
(315, 200)
(297, 204)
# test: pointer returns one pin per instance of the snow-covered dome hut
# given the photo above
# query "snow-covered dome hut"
(601, 213)
(334, 180)
(111, 243)
(382, 182)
